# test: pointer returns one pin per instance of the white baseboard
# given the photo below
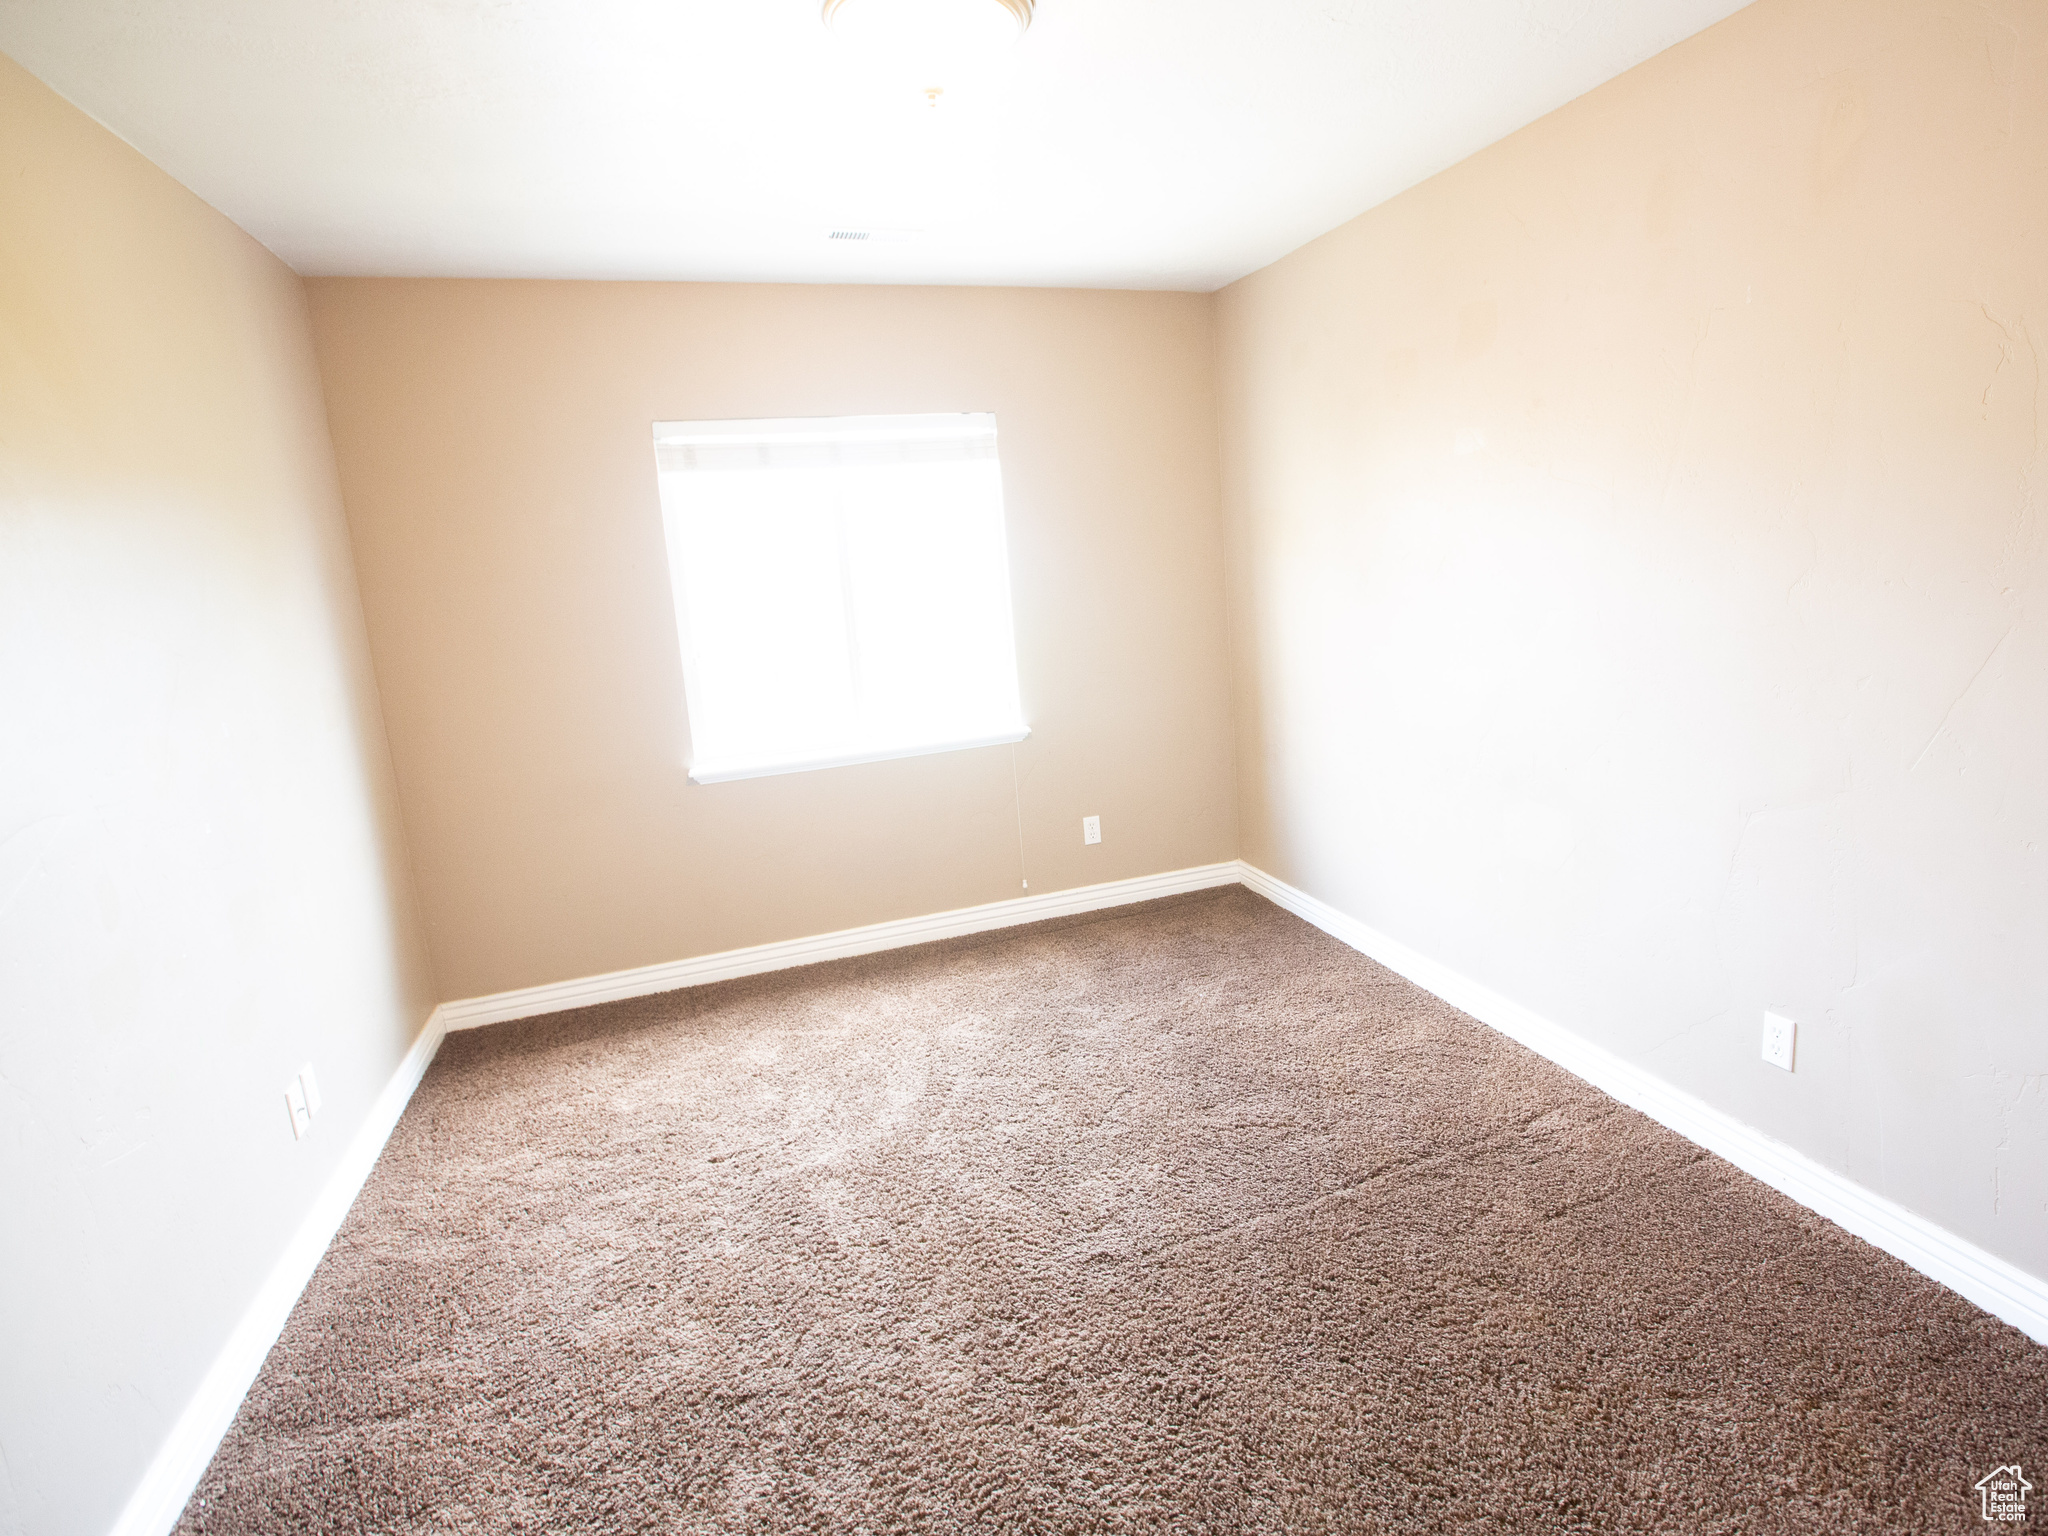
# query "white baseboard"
(2001, 1289)
(646, 980)
(1998, 1287)
(153, 1509)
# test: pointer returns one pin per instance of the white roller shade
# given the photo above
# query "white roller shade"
(823, 443)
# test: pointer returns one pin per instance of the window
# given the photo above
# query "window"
(842, 589)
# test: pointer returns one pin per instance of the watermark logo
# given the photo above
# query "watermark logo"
(2004, 1493)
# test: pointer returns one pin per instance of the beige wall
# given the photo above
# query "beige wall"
(1639, 593)
(495, 451)
(201, 874)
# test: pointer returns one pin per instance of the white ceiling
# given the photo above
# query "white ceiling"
(1122, 143)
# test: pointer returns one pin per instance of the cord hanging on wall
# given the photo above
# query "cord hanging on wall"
(1017, 799)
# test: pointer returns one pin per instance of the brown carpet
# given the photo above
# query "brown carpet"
(1181, 1218)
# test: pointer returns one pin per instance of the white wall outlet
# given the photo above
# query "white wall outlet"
(295, 1102)
(1091, 829)
(1779, 1035)
(311, 1085)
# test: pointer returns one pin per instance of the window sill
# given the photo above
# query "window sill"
(724, 772)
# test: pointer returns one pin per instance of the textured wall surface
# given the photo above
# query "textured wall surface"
(495, 450)
(202, 877)
(1639, 599)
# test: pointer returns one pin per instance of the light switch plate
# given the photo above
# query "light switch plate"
(1779, 1035)
(311, 1086)
(1091, 829)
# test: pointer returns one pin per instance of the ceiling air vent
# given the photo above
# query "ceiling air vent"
(848, 234)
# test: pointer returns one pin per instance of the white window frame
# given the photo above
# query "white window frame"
(809, 433)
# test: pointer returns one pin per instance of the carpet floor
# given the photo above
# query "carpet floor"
(1179, 1218)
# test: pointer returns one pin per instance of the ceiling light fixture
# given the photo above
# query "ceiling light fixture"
(930, 28)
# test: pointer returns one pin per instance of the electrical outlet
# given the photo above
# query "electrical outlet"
(295, 1102)
(1091, 829)
(1779, 1035)
(311, 1085)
